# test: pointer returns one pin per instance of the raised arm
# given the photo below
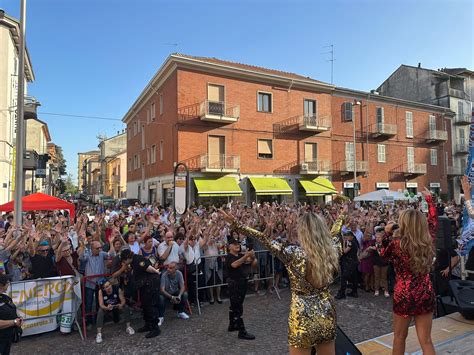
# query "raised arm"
(432, 215)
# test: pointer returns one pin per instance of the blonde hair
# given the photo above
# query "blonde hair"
(316, 241)
(416, 241)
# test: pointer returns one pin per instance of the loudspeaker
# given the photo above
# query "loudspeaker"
(344, 346)
(463, 292)
(443, 233)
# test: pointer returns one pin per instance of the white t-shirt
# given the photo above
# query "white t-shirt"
(191, 254)
(174, 253)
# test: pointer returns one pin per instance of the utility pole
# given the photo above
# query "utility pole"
(20, 121)
(331, 60)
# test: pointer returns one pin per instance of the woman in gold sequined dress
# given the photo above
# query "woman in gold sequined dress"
(311, 264)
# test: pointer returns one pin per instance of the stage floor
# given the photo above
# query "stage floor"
(451, 334)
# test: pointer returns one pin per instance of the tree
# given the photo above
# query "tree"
(69, 186)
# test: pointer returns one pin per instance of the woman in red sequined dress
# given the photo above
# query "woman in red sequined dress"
(411, 252)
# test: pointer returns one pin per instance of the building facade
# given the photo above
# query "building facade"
(87, 162)
(9, 49)
(37, 139)
(111, 153)
(254, 134)
(451, 88)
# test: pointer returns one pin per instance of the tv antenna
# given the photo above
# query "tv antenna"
(331, 60)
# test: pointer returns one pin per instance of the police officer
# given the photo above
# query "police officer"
(147, 280)
(10, 323)
(238, 268)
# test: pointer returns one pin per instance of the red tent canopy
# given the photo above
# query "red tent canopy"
(41, 202)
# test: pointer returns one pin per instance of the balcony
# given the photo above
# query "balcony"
(384, 130)
(458, 93)
(219, 163)
(314, 123)
(316, 167)
(347, 166)
(437, 136)
(461, 148)
(221, 112)
(414, 169)
(462, 119)
(455, 171)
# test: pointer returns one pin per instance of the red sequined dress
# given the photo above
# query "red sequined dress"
(413, 293)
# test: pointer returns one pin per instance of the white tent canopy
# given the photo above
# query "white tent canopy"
(382, 195)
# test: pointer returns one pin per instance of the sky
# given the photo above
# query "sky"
(94, 57)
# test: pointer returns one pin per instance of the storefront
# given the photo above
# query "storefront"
(435, 187)
(315, 191)
(167, 194)
(217, 191)
(269, 189)
(412, 188)
(382, 186)
(349, 190)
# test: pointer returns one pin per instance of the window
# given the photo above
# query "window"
(161, 150)
(148, 116)
(143, 137)
(161, 104)
(265, 149)
(461, 137)
(129, 164)
(409, 124)
(432, 123)
(310, 152)
(138, 161)
(135, 162)
(153, 154)
(264, 102)
(139, 126)
(129, 133)
(434, 156)
(347, 111)
(309, 108)
(148, 156)
(349, 155)
(381, 153)
(460, 109)
(380, 115)
(153, 111)
(411, 158)
(135, 128)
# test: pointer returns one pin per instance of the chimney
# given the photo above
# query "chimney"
(419, 65)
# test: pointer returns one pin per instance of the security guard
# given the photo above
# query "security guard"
(147, 280)
(238, 268)
(10, 323)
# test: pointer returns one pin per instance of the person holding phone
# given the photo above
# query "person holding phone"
(112, 301)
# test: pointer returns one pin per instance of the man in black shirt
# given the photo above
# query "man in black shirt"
(147, 280)
(42, 264)
(349, 262)
(238, 267)
(10, 323)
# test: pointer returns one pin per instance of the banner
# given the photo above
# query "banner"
(466, 241)
(41, 302)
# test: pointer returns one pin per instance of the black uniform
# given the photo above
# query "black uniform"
(7, 312)
(349, 263)
(149, 286)
(237, 281)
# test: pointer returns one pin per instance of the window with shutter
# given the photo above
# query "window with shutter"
(265, 148)
(409, 124)
(434, 157)
(264, 102)
(310, 152)
(347, 111)
(381, 153)
(432, 123)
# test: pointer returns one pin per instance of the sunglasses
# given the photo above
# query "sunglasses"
(43, 250)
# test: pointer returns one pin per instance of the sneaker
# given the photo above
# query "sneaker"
(153, 333)
(183, 315)
(130, 331)
(98, 338)
(386, 294)
(160, 321)
(376, 293)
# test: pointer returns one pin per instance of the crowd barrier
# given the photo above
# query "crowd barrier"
(261, 275)
(136, 301)
(43, 303)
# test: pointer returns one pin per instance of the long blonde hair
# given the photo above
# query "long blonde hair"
(315, 239)
(416, 241)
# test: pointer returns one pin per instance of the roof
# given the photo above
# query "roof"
(248, 67)
(457, 71)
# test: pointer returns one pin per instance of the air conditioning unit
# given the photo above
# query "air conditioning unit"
(304, 166)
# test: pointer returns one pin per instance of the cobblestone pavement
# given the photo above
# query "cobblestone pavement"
(265, 316)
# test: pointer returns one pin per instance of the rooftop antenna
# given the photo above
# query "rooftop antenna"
(172, 44)
(331, 60)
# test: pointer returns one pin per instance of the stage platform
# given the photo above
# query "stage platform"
(451, 334)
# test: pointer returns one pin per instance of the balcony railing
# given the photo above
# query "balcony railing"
(315, 167)
(219, 111)
(219, 163)
(462, 119)
(462, 148)
(437, 136)
(348, 166)
(414, 169)
(457, 93)
(455, 171)
(384, 129)
(314, 123)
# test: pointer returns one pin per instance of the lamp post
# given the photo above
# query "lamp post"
(355, 103)
(20, 126)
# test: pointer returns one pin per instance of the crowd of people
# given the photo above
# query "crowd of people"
(49, 244)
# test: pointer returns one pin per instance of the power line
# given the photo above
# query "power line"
(80, 116)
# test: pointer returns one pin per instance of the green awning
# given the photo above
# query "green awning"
(318, 187)
(212, 187)
(271, 186)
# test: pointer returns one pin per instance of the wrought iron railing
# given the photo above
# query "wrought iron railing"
(219, 108)
(316, 166)
(220, 162)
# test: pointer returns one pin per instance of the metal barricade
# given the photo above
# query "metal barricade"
(261, 276)
(45, 298)
(465, 272)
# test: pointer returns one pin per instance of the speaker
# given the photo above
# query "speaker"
(344, 346)
(463, 292)
(443, 233)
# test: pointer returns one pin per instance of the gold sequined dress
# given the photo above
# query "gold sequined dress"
(312, 317)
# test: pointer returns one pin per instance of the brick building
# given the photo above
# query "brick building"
(252, 133)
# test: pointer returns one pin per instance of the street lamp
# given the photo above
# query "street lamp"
(355, 103)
